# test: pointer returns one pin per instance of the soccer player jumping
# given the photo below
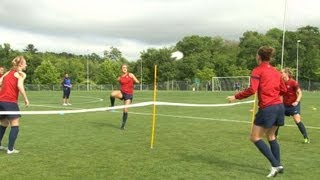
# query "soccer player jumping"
(125, 93)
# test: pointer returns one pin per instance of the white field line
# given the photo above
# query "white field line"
(68, 107)
(212, 119)
(79, 110)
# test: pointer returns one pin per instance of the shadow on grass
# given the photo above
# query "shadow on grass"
(105, 124)
(241, 166)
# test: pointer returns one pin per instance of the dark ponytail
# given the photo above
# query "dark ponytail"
(266, 53)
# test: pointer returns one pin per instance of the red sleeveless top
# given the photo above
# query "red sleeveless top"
(126, 83)
(9, 90)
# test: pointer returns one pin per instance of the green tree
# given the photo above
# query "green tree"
(309, 52)
(5, 55)
(198, 52)
(113, 54)
(109, 72)
(33, 62)
(46, 73)
(205, 74)
(166, 66)
(31, 49)
(250, 43)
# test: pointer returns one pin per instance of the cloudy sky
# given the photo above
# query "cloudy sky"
(87, 26)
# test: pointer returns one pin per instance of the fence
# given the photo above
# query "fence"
(168, 85)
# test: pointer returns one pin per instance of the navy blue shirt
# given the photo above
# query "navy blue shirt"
(66, 82)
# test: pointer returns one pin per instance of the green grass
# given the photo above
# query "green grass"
(190, 142)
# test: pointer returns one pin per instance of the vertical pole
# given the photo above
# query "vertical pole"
(141, 75)
(154, 106)
(284, 32)
(87, 71)
(297, 73)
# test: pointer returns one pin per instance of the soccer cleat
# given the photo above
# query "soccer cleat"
(65, 104)
(306, 140)
(275, 170)
(14, 151)
(3, 148)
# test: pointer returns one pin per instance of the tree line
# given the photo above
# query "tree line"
(204, 57)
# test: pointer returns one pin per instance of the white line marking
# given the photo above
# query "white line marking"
(57, 107)
(212, 119)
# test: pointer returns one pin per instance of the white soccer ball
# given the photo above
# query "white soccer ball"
(177, 55)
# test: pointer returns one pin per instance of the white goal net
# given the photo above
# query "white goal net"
(230, 83)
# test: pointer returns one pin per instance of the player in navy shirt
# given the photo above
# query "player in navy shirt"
(66, 86)
(270, 86)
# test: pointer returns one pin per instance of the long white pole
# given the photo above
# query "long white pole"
(284, 32)
(297, 73)
(87, 72)
(141, 75)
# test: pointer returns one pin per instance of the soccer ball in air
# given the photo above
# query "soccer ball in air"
(177, 55)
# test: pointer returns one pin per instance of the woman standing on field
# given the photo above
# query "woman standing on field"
(291, 101)
(12, 83)
(268, 82)
(66, 86)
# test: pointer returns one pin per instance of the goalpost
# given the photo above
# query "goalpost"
(230, 83)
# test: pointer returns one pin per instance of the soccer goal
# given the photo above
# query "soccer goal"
(230, 83)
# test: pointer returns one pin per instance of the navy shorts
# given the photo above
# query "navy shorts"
(270, 116)
(126, 96)
(66, 92)
(9, 106)
(292, 110)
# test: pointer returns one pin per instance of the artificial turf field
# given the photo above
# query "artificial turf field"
(190, 142)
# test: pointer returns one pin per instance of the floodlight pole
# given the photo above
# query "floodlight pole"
(141, 75)
(297, 73)
(284, 32)
(87, 70)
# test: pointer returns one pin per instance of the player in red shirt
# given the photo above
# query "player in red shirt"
(125, 93)
(268, 82)
(291, 101)
(12, 83)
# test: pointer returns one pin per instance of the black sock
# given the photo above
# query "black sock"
(112, 99)
(124, 119)
(13, 136)
(302, 129)
(275, 149)
(264, 149)
(2, 131)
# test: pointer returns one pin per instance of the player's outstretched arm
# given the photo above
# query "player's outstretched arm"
(134, 78)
